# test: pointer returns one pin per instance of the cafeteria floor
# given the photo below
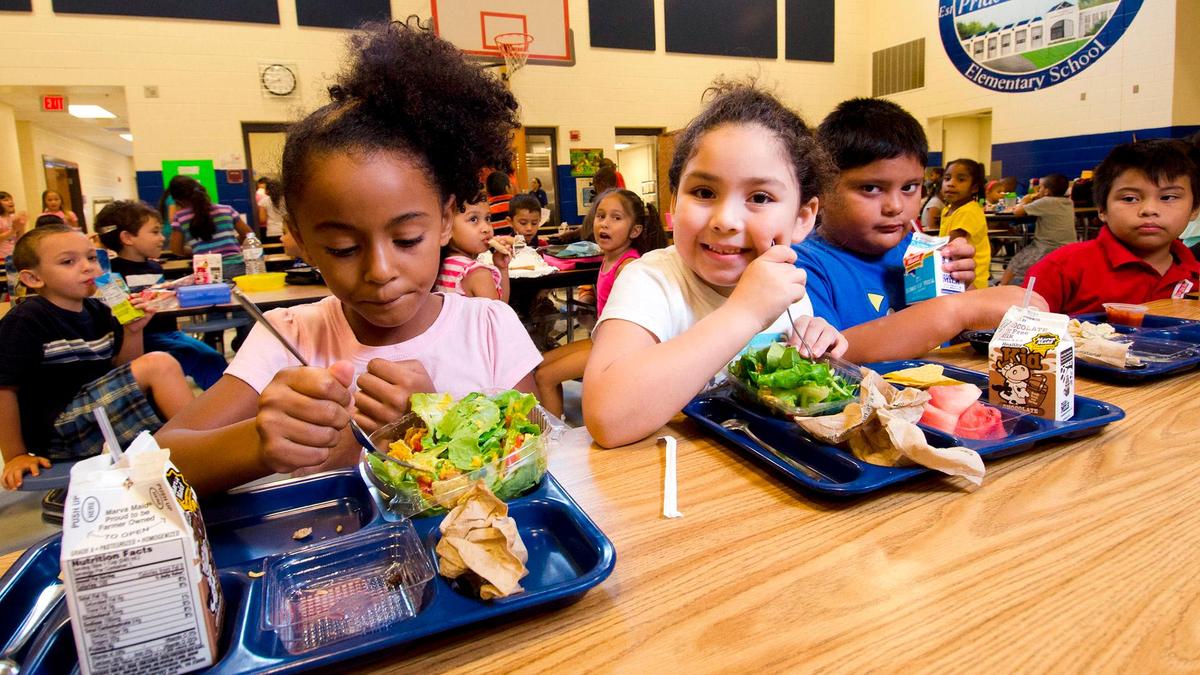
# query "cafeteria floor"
(21, 522)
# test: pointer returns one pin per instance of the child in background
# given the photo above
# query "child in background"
(52, 205)
(855, 259)
(133, 231)
(625, 228)
(200, 226)
(12, 225)
(372, 182)
(524, 215)
(1055, 225)
(58, 350)
(746, 176)
(963, 216)
(270, 207)
(931, 210)
(535, 189)
(1191, 234)
(1146, 192)
(461, 272)
(498, 198)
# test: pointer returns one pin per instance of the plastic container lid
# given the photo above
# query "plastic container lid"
(264, 281)
(355, 584)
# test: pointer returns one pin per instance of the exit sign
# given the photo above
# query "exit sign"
(54, 103)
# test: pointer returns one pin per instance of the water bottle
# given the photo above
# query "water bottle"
(252, 255)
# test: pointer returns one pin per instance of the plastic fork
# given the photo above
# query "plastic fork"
(359, 434)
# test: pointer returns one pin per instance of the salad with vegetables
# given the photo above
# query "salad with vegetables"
(780, 377)
(454, 443)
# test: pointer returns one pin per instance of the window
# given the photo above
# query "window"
(1021, 38)
(978, 47)
(900, 68)
(1058, 30)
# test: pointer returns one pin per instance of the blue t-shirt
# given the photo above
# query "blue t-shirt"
(848, 288)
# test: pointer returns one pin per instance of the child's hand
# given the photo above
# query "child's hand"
(959, 256)
(984, 307)
(16, 468)
(384, 389)
(501, 251)
(770, 284)
(818, 335)
(302, 415)
(137, 325)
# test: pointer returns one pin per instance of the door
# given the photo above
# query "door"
(63, 177)
(541, 151)
(666, 151)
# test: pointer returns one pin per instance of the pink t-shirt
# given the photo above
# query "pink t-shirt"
(474, 344)
(455, 267)
(604, 281)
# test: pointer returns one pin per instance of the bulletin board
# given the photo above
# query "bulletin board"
(200, 169)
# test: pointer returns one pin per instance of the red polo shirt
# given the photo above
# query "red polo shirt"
(1082, 277)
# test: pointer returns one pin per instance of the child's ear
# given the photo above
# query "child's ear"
(126, 238)
(31, 279)
(805, 219)
(448, 211)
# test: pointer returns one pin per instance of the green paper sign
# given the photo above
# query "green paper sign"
(200, 169)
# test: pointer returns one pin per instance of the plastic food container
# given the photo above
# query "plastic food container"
(266, 281)
(848, 371)
(503, 473)
(334, 590)
(200, 295)
(1124, 314)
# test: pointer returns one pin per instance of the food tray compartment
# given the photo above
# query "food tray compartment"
(851, 476)
(1149, 321)
(746, 393)
(1164, 351)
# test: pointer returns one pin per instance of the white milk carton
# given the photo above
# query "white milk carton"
(1031, 364)
(206, 268)
(924, 277)
(141, 584)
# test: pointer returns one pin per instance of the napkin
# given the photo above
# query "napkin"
(881, 429)
(480, 543)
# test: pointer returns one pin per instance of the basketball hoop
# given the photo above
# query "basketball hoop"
(514, 47)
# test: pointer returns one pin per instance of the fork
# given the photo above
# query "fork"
(738, 425)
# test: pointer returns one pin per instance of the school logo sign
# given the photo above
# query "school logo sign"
(1026, 45)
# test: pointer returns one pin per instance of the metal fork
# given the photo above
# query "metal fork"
(740, 426)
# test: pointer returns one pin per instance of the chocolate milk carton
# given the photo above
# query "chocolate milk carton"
(924, 277)
(1031, 364)
(141, 584)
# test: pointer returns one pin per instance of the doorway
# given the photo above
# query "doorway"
(263, 142)
(638, 160)
(541, 149)
(969, 136)
(63, 177)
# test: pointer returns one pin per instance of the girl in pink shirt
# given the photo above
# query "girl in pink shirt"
(461, 272)
(372, 182)
(624, 227)
(52, 204)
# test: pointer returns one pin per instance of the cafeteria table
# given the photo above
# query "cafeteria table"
(1077, 556)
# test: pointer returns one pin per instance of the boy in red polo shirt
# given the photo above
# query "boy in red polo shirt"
(1146, 193)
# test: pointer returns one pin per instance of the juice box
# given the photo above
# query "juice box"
(924, 277)
(115, 294)
(141, 584)
(1031, 364)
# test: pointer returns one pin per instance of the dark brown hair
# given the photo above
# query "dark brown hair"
(652, 235)
(1160, 159)
(25, 253)
(122, 216)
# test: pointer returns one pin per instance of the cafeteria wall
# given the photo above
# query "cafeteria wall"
(102, 172)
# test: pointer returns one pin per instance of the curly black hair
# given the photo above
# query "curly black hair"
(408, 91)
(743, 102)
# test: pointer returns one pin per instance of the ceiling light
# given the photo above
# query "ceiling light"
(128, 137)
(621, 146)
(89, 112)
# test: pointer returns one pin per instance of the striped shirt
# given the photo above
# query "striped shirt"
(455, 268)
(225, 236)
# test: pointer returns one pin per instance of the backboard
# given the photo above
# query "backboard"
(472, 25)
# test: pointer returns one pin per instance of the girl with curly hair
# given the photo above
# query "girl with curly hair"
(372, 181)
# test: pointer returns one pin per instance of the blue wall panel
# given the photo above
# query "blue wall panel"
(1071, 154)
(236, 195)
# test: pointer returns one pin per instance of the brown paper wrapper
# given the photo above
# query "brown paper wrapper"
(480, 544)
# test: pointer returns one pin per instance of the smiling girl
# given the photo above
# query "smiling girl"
(372, 181)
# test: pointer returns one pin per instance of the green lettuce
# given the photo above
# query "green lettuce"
(779, 372)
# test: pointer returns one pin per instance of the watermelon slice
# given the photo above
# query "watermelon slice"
(980, 422)
(954, 399)
(939, 419)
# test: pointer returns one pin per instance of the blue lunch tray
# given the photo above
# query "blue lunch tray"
(568, 555)
(1154, 330)
(852, 476)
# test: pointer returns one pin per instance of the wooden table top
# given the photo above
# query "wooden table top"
(1076, 556)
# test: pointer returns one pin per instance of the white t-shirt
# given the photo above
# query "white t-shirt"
(661, 294)
(274, 216)
(474, 344)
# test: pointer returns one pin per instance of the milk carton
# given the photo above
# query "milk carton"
(141, 584)
(1031, 364)
(206, 268)
(924, 277)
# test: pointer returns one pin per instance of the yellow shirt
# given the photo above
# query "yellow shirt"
(970, 219)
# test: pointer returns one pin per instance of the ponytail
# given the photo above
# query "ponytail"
(653, 236)
(202, 226)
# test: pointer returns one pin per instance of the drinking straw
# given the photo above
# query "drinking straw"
(916, 227)
(670, 496)
(110, 436)
(1029, 291)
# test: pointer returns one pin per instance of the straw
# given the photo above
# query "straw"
(110, 436)
(1029, 291)
(670, 495)
(916, 227)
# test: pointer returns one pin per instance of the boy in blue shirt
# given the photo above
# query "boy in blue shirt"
(855, 259)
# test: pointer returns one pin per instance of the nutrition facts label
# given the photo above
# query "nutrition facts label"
(137, 610)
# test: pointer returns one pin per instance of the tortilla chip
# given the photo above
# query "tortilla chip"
(921, 377)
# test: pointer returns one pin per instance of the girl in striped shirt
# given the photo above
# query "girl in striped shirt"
(461, 272)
